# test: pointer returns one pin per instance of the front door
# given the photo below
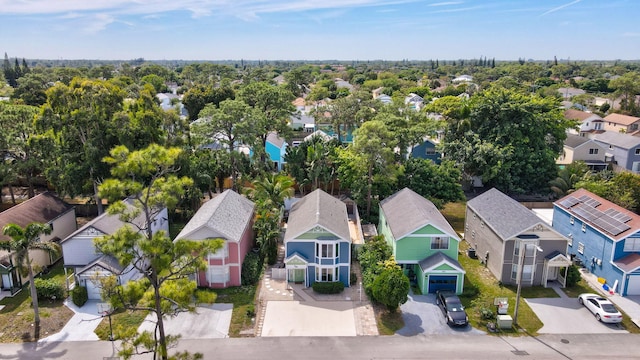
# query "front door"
(552, 274)
(296, 275)
(6, 281)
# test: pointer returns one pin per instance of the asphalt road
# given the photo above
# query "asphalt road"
(460, 346)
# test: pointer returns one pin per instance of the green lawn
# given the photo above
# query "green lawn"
(243, 300)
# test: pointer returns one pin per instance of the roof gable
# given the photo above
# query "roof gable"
(440, 261)
(318, 208)
(406, 212)
(624, 141)
(505, 216)
(621, 119)
(228, 213)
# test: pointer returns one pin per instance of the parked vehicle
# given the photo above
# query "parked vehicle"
(452, 308)
(602, 308)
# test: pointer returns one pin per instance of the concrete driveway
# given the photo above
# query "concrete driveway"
(421, 315)
(309, 318)
(565, 315)
(208, 322)
(82, 324)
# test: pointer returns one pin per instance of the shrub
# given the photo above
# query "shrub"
(573, 276)
(353, 279)
(335, 287)
(251, 311)
(79, 295)
(251, 269)
(49, 289)
(487, 314)
(470, 291)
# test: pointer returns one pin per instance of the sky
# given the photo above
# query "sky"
(320, 29)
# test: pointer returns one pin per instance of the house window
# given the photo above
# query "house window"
(570, 242)
(430, 151)
(632, 244)
(584, 227)
(572, 220)
(439, 243)
(327, 250)
(218, 274)
(327, 274)
(222, 252)
(581, 248)
(527, 271)
(593, 151)
(637, 151)
(598, 126)
(482, 224)
(473, 234)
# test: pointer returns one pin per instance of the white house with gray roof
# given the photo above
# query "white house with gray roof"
(229, 217)
(581, 148)
(497, 227)
(80, 253)
(422, 241)
(318, 240)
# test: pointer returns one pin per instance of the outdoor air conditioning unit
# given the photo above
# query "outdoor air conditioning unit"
(599, 262)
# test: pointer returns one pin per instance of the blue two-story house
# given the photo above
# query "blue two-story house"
(603, 236)
(276, 148)
(318, 240)
(426, 150)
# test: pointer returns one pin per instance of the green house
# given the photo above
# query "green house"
(423, 242)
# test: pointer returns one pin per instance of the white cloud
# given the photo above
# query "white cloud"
(98, 23)
(558, 8)
(446, 3)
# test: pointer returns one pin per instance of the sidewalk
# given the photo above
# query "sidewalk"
(629, 304)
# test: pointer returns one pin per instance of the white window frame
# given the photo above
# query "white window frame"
(584, 227)
(572, 220)
(570, 242)
(333, 246)
(218, 274)
(332, 273)
(222, 253)
(632, 244)
(581, 248)
(442, 243)
(527, 272)
(593, 151)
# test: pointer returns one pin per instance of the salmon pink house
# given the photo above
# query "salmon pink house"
(228, 216)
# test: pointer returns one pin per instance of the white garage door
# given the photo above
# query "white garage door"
(633, 287)
(93, 291)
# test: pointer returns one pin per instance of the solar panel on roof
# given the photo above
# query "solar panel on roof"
(586, 212)
(609, 224)
(569, 202)
(589, 200)
(618, 215)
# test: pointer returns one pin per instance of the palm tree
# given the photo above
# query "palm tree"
(271, 190)
(23, 240)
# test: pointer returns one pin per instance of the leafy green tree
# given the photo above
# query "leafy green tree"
(23, 240)
(146, 178)
(391, 286)
(438, 183)
(31, 89)
(371, 257)
(78, 118)
(298, 79)
(231, 124)
(17, 143)
(156, 81)
(627, 86)
(9, 72)
(197, 97)
(510, 139)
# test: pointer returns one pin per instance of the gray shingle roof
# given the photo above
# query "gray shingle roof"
(437, 258)
(106, 262)
(501, 213)
(107, 224)
(228, 214)
(406, 211)
(624, 141)
(276, 140)
(318, 208)
(573, 141)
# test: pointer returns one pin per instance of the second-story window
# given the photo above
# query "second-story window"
(327, 250)
(439, 243)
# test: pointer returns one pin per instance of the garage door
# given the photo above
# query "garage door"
(93, 291)
(633, 287)
(442, 283)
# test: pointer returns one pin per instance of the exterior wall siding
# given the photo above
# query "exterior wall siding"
(79, 250)
(486, 241)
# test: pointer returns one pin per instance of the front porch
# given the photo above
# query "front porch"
(555, 269)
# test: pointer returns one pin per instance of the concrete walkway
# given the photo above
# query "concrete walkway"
(81, 326)
(207, 322)
(629, 304)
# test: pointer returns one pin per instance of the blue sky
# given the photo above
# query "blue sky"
(320, 29)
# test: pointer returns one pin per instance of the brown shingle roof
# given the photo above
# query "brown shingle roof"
(625, 120)
(42, 208)
(574, 114)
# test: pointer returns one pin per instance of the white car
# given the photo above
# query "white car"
(602, 308)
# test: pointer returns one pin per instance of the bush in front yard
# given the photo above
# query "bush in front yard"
(251, 269)
(49, 289)
(573, 276)
(335, 287)
(79, 295)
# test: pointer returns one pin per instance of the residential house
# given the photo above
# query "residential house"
(462, 79)
(579, 148)
(276, 148)
(588, 123)
(568, 93)
(340, 83)
(44, 208)
(318, 240)
(375, 93)
(423, 243)
(622, 123)
(604, 237)
(229, 217)
(171, 101)
(385, 99)
(89, 265)
(623, 150)
(318, 133)
(414, 101)
(427, 149)
(499, 228)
